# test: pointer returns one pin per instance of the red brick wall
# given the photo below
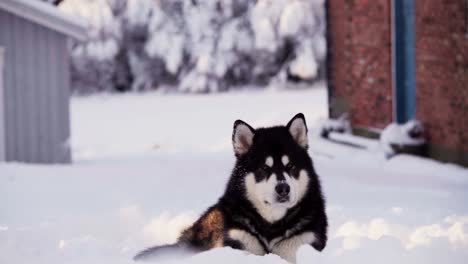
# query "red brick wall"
(442, 71)
(360, 59)
(359, 35)
(339, 18)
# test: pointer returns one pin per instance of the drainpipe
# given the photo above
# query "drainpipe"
(393, 50)
(403, 64)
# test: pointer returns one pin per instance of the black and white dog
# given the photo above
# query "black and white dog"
(273, 201)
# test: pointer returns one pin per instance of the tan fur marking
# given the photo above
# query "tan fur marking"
(213, 227)
(207, 232)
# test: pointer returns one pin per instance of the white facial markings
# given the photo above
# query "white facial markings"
(302, 184)
(263, 195)
(248, 241)
(250, 188)
(269, 161)
(287, 249)
(285, 160)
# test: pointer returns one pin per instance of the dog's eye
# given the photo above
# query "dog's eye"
(266, 168)
(289, 166)
(263, 172)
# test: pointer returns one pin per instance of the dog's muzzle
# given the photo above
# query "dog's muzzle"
(282, 191)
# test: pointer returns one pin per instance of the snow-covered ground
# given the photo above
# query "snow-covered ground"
(146, 165)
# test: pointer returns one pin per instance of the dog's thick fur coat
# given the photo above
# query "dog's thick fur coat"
(273, 201)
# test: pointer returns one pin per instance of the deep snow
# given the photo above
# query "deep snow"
(146, 165)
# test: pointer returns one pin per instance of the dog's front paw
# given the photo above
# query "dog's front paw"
(319, 244)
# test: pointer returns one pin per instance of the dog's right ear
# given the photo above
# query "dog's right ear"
(242, 137)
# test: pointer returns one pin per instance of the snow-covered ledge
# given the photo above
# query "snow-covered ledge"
(405, 138)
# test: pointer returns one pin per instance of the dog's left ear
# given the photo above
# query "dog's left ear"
(298, 129)
(242, 137)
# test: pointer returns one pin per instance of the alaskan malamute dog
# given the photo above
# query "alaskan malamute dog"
(273, 201)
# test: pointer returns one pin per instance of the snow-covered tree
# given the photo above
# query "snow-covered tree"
(290, 38)
(197, 45)
(94, 60)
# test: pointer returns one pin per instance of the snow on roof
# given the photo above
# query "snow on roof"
(47, 16)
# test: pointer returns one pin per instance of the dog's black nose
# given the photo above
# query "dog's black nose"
(282, 189)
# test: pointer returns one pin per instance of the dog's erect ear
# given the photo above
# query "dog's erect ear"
(298, 129)
(242, 137)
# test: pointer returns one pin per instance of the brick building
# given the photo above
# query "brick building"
(395, 60)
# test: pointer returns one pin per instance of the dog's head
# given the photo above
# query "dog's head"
(273, 165)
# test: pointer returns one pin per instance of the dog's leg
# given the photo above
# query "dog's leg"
(287, 248)
(245, 241)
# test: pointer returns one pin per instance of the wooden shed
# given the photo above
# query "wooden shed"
(35, 81)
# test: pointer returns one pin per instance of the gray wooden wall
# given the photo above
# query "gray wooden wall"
(35, 91)
(2, 118)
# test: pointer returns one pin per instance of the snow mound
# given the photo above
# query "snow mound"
(411, 133)
(339, 125)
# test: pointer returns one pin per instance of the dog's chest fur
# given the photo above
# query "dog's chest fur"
(283, 240)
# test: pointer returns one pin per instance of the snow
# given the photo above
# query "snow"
(93, 59)
(146, 165)
(153, 121)
(265, 37)
(293, 17)
(363, 142)
(97, 13)
(305, 65)
(138, 12)
(399, 134)
(396, 134)
(168, 46)
(301, 21)
(319, 44)
(214, 45)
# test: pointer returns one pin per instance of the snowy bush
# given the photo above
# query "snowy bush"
(197, 45)
(339, 125)
(394, 135)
